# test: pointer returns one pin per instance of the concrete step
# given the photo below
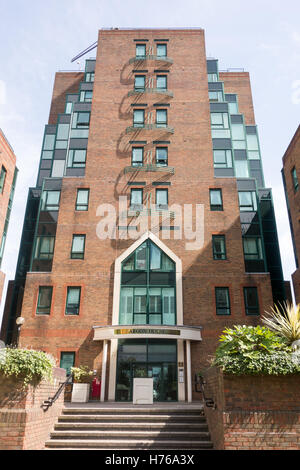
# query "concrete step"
(120, 444)
(139, 426)
(130, 417)
(132, 410)
(137, 435)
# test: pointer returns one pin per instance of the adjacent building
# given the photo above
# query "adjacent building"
(150, 228)
(290, 175)
(8, 175)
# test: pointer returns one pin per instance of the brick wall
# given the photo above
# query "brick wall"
(24, 425)
(253, 413)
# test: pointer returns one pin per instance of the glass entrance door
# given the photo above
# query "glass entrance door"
(134, 361)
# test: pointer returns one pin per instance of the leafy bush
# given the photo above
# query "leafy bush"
(81, 374)
(26, 365)
(248, 350)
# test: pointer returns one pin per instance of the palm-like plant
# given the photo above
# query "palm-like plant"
(284, 320)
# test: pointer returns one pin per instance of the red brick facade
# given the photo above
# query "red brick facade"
(291, 160)
(24, 425)
(253, 413)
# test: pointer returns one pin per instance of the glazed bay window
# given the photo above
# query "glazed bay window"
(136, 199)
(247, 201)
(44, 300)
(139, 82)
(50, 200)
(295, 179)
(222, 300)
(220, 125)
(216, 96)
(140, 51)
(48, 146)
(80, 125)
(86, 96)
(251, 301)
(216, 200)
(138, 118)
(212, 77)
(77, 158)
(222, 159)
(238, 136)
(78, 246)
(90, 77)
(161, 50)
(44, 247)
(2, 178)
(82, 200)
(161, 118)
(162, 156)
(161, 198)
(73, 300)
(137, 156)
(219, 247)
(161, 82)
(252, 248)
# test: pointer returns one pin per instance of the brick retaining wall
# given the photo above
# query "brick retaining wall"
(253, 413)
(24, 425)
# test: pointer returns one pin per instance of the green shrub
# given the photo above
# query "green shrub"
(248, 350)
(26, 365)
(81, 373)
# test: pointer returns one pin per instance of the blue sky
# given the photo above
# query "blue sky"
(39, 38)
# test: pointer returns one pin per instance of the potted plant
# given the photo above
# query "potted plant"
(81, 389)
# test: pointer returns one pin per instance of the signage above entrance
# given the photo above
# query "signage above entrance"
(192, 333)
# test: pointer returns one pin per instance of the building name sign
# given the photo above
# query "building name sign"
(146, 331)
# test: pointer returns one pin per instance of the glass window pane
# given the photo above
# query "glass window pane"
(252, 142)
(241, 168)
(136, 197)
(155, 257)
(58, 168)
(67, 361)
(216, 199)
(161, 117)
(138, 118)
(168, 306)
(141, 257)
(162, 197)
(140, 50)
(44, 300)
(161, 156)
(78, 243)
(49, 142)
(161, 82)
(126, 306)
(82, 201)
(63, 131)
(161, 50)
(167, 263)
(139, 82)
(237, 131)
(137, 156)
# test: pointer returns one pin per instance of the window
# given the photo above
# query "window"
(222, 159)
(219, 121)
(161, 118)
(238, 136)
(2, 178)
(81, 120)
(86, 96)
(138, 118)
(90, 77)
(295, 179)
(161, 50)
(162, 156)
(161, 198)
(58, 169)
(137, 156)
(48, 146)
(44, 300)
(139, 82)
(216, 201)
(69, 107)
(212, 77)
(140, 51)
(252, 248)
(247, 201)
(216, 96)
(158, 261)
(161, 82)
(67, 361)
(73, 300)
(222, 300)
(50, 201)
(241, 169)
(219, 247)
(78, 246)
(82, 201)
(233, 108)
(251, 301)
(136, 198)
(77, 158)
(44, 247)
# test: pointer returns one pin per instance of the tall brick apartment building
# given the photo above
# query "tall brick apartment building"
(8, 175)
(120, 284)
(290, 175)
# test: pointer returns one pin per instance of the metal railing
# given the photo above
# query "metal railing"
(159, 91)
(199, 381)
(149, 127)
(47, 403)
(151, 57)
(149, 167)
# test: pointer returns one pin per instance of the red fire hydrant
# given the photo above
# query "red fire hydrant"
(96, 388)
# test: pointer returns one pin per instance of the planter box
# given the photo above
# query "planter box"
(80, 393)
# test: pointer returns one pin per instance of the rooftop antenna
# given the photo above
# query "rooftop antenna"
(88, 49)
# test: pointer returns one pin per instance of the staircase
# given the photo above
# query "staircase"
(124, 428)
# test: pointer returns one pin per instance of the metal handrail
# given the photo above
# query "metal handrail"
(150, 90)
(47, 403)
(151, 57)
(209, 402)
(149, 127)
(149, 167)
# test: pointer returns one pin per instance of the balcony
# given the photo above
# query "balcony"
(157, 58)
(149, 167)
(150, 127)
(158, 91)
